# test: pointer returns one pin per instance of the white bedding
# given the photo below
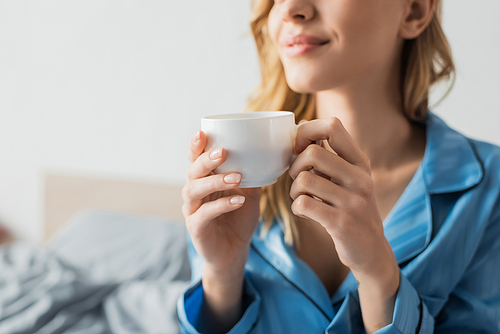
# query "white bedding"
(104, 273)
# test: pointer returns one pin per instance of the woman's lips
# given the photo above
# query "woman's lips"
(300, 45)
(301, 49)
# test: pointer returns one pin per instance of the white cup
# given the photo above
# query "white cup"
(259, 144)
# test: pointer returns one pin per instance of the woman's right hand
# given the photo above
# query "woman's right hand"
(220, 217)
(221, 220)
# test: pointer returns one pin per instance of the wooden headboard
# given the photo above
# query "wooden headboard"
(66, 195)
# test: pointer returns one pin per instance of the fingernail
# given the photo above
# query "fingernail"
(232, 178)
(216, 154)
(196, 137)
(237, 200)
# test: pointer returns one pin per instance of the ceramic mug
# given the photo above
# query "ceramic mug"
(259, 144)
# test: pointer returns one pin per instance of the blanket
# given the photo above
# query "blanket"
(104, 273)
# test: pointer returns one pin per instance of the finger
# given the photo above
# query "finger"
(308, 207)
(195, 191)
(313, 185)
(206, 163)
(337, 136)
(213, 209)
(197, 146)
(326, 163)
(314, 171)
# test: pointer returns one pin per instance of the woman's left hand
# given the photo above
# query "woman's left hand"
(336, 190)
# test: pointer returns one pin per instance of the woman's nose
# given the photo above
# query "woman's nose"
(296, 10)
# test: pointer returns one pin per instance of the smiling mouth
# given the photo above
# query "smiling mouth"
(300, 44)
(302, 49)
(302, 39)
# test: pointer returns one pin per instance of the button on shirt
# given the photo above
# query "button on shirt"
(444, 231)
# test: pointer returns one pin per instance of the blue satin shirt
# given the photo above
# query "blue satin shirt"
(444, 231)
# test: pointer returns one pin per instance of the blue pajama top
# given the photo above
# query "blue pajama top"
(444, 231)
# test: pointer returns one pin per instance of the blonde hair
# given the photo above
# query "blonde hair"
(425, 60)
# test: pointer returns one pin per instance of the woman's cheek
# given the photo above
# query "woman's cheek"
(273, 26)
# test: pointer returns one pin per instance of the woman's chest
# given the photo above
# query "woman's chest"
(315, 247)
(289, 289)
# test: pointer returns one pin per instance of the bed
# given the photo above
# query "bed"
(114, 260)
(65, 195)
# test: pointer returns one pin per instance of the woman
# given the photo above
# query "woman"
(392, 225)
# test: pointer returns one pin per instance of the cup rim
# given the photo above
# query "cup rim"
(247, 115)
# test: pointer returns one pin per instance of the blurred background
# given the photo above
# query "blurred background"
(114, 90)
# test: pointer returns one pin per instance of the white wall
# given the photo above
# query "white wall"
(116, 88)
(473, 106)
(112, 88)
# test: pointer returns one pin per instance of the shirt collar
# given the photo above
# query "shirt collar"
(450, 162)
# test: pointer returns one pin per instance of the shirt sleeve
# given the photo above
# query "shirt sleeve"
(410, 314)
(473, 306)
(191, 318)
(189, 304)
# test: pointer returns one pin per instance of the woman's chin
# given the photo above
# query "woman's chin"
(303, 85)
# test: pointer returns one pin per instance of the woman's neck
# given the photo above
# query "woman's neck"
(376, 122)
